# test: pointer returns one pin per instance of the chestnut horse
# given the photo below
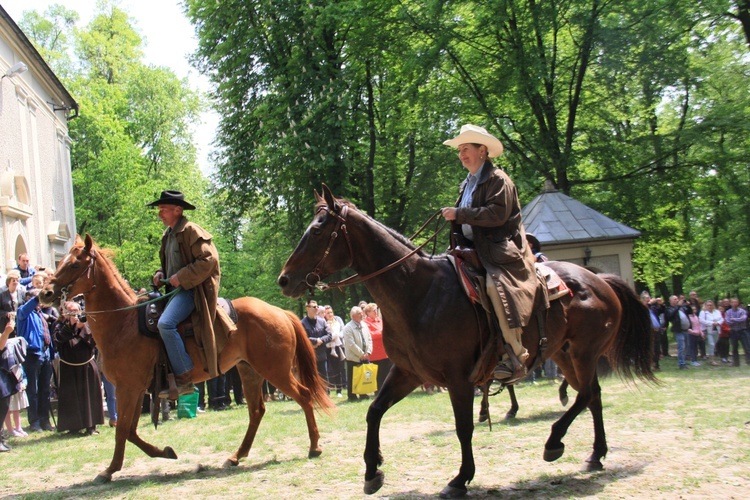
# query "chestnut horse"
(268, 344)
(433, 333)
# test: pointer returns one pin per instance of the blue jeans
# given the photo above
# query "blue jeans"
(38, 375)
(109, 392)
(177, 310)
(681, 338)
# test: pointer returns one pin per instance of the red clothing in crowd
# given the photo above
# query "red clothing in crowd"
(376, 331)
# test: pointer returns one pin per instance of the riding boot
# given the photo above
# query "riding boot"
(509, 367)
(178, 385)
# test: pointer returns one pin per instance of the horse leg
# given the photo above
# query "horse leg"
(484, 407)
(397, 385)
(563, 361)
(575, 374)
(303, 397)
(594, 463)
(129, 405)
(125, 405)
(513, 404)
(252, 384)
(462, 396)
(563, 393)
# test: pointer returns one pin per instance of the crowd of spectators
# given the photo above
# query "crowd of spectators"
(340, 347)
(702, 330)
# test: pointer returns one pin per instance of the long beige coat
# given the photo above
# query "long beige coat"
(500, 241)
(201, 272)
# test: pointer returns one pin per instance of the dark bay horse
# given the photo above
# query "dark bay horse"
(433, 333)
(268, 344)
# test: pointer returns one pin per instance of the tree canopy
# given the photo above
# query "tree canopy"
(638, 108)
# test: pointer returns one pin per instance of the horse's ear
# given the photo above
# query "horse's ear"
(88, 243)
(318, 198)
(78, 241)
(328, 197)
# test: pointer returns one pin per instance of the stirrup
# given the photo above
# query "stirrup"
(513, 373)
(502, 372)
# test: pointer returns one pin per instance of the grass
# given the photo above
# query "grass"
(688, 437)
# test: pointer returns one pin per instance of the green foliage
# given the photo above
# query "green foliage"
(636, 108)
(132, 138)
(640, 109)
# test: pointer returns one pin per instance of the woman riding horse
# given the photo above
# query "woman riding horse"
(487, 217)
(434, 334)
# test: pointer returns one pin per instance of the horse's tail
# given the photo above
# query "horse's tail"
(631, 353)
(307, 367)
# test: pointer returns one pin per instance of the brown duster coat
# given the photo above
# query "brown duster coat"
(201, 272)
(500, 241)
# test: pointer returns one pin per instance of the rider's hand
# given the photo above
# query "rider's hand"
(449, 213)
(174, 281)
(157, 278)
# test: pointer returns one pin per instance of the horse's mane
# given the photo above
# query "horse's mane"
(105, 256)
(395, 234)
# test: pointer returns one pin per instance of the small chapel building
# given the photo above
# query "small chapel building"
(570, 231)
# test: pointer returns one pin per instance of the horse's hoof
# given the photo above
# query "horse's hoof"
(509, 416)
(564, 400)
(453, 492)
(314, 453)
(103, 478)
(593, 465)
(374, 484)
(483, 417)
(169, 453)
(552, 454)
(229, 463)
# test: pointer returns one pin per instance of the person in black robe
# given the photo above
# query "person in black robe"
(79, 387)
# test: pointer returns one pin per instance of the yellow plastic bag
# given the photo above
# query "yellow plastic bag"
(365, 378)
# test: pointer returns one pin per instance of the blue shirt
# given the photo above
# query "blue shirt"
(471, 185)
(30, 325)
(29, 273)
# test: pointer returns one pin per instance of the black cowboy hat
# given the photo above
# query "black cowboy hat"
(172, 198)
(534, 242)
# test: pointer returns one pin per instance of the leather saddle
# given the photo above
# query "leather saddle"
(472, 275)
(148, 316)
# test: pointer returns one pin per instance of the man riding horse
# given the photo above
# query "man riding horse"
(487, 217)
(189, 260)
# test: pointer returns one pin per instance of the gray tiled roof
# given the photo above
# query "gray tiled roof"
(556, 218)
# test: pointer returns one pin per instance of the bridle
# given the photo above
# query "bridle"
(89, 271)
(340, 225)
(356, 278)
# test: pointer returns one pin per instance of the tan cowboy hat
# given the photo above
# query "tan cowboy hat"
(471, 134)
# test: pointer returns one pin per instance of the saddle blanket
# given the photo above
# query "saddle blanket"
(467, 276)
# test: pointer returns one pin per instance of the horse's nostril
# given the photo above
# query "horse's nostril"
(283, 280)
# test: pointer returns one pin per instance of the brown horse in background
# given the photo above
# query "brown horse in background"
(435, 335)
(268, 344)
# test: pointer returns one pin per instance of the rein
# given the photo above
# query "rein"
(90, 271)
(356, 278)
(136, 306)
